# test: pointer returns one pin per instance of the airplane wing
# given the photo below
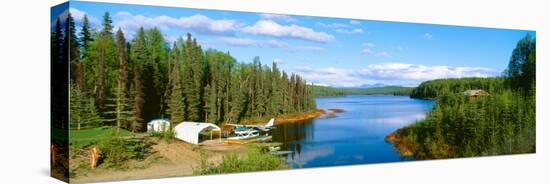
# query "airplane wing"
(269, 124)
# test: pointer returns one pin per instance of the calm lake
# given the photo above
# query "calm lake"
(355, 136)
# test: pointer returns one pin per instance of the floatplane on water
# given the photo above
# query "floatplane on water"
(243, 128)
(254, 133)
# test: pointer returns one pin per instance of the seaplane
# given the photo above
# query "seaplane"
(246, 128)
(251, 133)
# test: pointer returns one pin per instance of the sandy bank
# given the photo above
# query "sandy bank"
(404, 147)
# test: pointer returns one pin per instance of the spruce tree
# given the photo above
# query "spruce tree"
(192, 80)
(57, 42)
(103, 44)
(77, 107)
(277, 91)
(157, 66)
(100, 83)
(107, 24)
(71, 42)
(175, 100)
(139, 57)
(138, 123)
(85, 33)
(122, 112)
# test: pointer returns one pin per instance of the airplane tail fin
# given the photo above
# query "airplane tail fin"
(270, 123)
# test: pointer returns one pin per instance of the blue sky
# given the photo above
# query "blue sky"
(327, 51)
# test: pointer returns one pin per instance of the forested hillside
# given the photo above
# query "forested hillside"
(114, 81)
(324, 91)
(500, 122)
(434, 88)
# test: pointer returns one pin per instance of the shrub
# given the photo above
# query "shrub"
(168, 135)
(115, 151)
(255, 160)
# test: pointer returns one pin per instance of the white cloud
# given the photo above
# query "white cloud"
(271, 28)
(277, 44)
(389, 73)
(352, 31)
(383, 54)
(196, 23)
(78, 17)
(354, 22)
(285, 18)
(311, 48)
(428, 36)
(241, 41)
(371, 45)
(332, 25)
(366, 51)
(247, 42)
(351, 28)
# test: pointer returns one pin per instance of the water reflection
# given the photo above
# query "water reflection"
(292, 135)
(355, 136)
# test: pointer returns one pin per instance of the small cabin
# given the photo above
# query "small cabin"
(475, 93)
(158, 125)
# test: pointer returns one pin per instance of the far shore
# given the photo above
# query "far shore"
(292, 118)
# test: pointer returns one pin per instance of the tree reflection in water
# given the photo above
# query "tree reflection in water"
(292, 134)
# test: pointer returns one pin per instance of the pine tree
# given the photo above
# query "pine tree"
(285, 85)
(193, 79)
(100, 83)
(82, 109)
(107, 24)
(157, 66)
(77, 107)
(209, 104)
(85, 40)
(85, 33)
(175, 100)
(138, 57)
(240, 97)
(104, 41)
(122, 114)
(137, 93)
(59, 63)
(259, 96)
(71, 42)
(276, 102)
(91, 115)
(57, 42)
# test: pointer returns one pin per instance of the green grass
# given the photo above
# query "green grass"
(85, 137)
